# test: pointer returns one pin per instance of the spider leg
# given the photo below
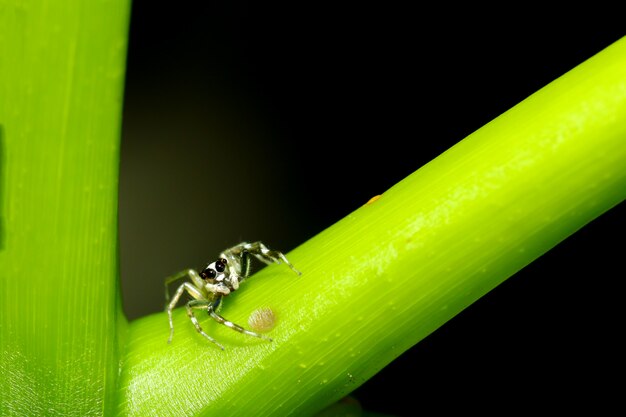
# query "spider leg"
(262, 253)
(204, 305)
(191, 273)
(212, 312)
(193, 291)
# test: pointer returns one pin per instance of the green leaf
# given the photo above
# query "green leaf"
(61, 78)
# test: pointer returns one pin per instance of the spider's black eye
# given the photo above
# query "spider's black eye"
(220, 265)
(208, 273)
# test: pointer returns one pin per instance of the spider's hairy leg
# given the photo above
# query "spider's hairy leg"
(267, 255)
(193, 291)
(203, 305)
(211, 309)
(187, 273)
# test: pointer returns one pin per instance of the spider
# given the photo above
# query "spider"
(216, 281)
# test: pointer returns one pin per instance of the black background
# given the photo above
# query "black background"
(271, 121)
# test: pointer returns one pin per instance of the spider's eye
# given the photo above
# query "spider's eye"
(220, 265)
(208, 273)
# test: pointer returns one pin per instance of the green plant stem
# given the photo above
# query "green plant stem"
(391, 272)
(62, 69)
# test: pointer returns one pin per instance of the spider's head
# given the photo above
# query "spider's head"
(218, 273)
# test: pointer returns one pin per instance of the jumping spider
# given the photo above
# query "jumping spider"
(217, 280)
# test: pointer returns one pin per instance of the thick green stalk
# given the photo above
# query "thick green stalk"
(394, 270)
(61, 77)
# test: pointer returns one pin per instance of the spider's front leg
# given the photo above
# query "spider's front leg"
(191, 290)
(187, 273)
